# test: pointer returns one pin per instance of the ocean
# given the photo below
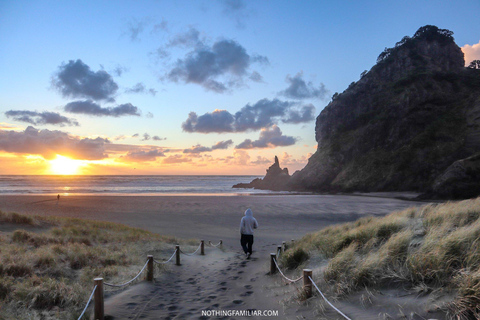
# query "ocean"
(125, 185)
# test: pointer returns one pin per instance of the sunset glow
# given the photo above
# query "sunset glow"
(65, 166)
(161, 87)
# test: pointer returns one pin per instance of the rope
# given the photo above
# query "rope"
(288, 279)
(215, 245)
(191, 254)
(324, 298)
(128, 282)
(88, 303)
(173, 255)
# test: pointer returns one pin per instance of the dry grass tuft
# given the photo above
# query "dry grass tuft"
(435, 247)
(52, 271)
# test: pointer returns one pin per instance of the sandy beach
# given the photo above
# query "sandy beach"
(281, 218)
(223, 279)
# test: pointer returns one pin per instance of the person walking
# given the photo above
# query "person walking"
(247, 225)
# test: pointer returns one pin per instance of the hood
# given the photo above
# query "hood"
(249, 212)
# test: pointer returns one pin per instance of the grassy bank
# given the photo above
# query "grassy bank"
(47, 265)
(430, 249)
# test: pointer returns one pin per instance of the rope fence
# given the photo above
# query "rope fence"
(128, 282)
(215, 245)
(308, 282)
(88, 303)
(283, 275)
(170, 259)
(326, 300)
(97, 293)
(191, 254)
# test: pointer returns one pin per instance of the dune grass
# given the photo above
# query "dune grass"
(49, 274)
(430, 247)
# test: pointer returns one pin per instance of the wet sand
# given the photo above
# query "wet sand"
(281, 218)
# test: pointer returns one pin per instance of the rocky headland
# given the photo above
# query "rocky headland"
(411, 123)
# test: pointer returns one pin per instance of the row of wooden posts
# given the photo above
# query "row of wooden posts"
(307, 273)
(99, 312)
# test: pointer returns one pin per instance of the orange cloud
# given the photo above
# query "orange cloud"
(471, 52)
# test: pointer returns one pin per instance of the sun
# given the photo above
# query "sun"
(65, 166)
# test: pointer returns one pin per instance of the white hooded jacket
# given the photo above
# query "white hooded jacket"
(248, 223)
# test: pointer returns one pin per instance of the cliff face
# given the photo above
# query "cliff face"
(399, 127)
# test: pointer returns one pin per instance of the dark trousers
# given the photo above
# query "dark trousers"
(247, 241)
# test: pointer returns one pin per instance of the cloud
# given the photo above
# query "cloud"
(264, 113)
(146, 137)
(49, 143)
(141, 88)
(471, 52)
(119, 70)
(222, 145)
(75, 79)
(299, 89)
(91, 108)
(144, 155)
(240, 157)
(135, 28)
(255, 76)
(157, 138)
(188, 39)
(269, 138)
(200, 149)
(160, 27)
(197, 149)
(235, 9)
(217, 121)
(218, 68)
(40, 118)
(261, 161)
(176, 158)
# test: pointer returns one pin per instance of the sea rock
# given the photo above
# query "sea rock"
(276, 178)
(400, 126)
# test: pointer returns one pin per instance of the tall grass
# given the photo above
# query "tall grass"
(52, 271)
(435, 246)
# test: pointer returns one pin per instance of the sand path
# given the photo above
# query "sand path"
(219, 281)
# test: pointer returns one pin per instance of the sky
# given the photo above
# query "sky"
(189, 87)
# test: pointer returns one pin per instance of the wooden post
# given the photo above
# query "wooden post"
(279, 250)
(284, 245)
(98, 297)
(307, 284)
(177, 254)
(202, 247)
(150, 268)
(221, 242)
(273, 268)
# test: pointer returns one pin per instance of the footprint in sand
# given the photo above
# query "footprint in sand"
(246, 294)
(239, 272)
(253, 279)
(212, 297)
(222, 289)
(237, 301)
(247, 286)
(171, 308)
(131, 305)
